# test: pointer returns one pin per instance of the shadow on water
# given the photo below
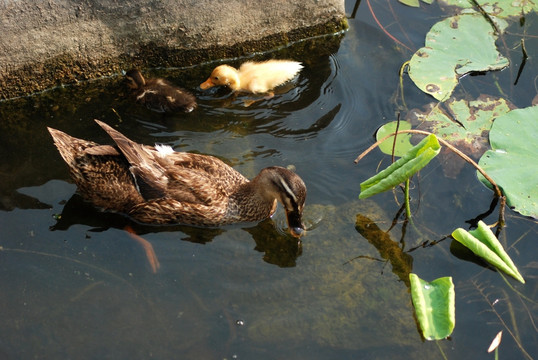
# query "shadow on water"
(279, 248)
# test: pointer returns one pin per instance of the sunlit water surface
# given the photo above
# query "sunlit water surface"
(76, 285)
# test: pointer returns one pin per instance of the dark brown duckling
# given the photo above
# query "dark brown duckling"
(159, 95)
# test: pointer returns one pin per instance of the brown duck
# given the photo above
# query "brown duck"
(158, 94)
(157, 185)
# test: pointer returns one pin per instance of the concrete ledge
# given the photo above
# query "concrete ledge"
(48, 43)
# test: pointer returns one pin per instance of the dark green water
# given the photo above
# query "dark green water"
(79, 287)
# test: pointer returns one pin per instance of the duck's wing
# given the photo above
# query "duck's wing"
(201, 179)
(185, 177)
(101, 172)
(148, 172)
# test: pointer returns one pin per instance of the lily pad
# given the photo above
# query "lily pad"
(464, 124)
(511, 162)
(455, 47)
(482, 242)
(402, 169)
(435, 307)
(403, 143)
(414, 3)
(498, 8)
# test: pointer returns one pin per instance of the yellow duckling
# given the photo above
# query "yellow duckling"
(254, 77)
(158, 94)
(157, 185)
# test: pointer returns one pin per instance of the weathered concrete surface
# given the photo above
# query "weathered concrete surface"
(53, 42)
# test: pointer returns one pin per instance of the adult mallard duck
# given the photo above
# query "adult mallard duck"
(254, 77)
(157, 185)
(158, 94)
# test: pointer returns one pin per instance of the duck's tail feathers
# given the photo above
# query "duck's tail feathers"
(135, 153)
(69, 146)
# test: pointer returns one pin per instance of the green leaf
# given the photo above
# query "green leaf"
(402, 169)
(473, 120)
(403, 143)
(414, 3)
(435, 307)
(482, 242)
(454, 47)
(498, 8)
(512, 161)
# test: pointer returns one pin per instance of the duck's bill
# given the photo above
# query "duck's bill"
(207, 84)
(294, 223)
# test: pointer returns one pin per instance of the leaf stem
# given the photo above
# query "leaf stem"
(402, 69)
(407, 205)
(497, 190)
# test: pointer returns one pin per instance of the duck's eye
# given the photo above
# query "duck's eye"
(216, 78)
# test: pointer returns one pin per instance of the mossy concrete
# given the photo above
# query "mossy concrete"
(50, 43)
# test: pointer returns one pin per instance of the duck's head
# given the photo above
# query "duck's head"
(222, 75)
(134, 78)
(290, 190)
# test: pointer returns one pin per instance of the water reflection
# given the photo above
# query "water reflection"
(279, 248)
(390, 250)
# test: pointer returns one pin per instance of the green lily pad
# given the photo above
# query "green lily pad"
(482, 242)
(464, 124)
(512, 161)
(498, 8)
(402, 169)
(403, 143)
(435, 307)
(455, 47)
(414, 3)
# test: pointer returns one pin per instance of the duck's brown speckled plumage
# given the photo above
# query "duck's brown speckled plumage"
(159, 95)
(161, 187)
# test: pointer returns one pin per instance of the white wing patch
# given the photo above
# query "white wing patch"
(146, 92)
(164, 150)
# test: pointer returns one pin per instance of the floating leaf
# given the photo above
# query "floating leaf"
(414, 3)
(403, 143)
(454, 47)
(498, 8)
(482, 242)
(466, 124)
(511, 162)
(435, 307)
(402, 169)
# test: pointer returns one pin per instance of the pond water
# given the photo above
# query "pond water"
(76, 285)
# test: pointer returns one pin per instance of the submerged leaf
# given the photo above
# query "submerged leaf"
(402, 169)
(403, 143)
(511, 162)
(453, 48)
(435, 307)
(401, 261)
(482, 242)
